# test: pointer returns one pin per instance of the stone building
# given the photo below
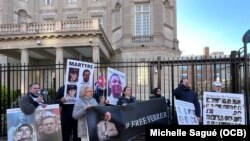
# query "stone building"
(134, 28)
(110, 30)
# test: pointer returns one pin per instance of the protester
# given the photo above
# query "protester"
(105, 128)
(31, 100)
(103, 102)
(85, 101)
(184, 93)
(100, 92)
(68, 123)
(216, 86)
(126, 97)
(156, 93)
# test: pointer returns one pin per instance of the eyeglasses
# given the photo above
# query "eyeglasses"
(24, 130)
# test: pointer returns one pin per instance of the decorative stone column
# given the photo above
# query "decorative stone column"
(96, 54)
(59, 67)
(24, 73)
(96, 60)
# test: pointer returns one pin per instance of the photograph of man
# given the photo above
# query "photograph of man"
(115, 88)
(15, 121)
(105, 128)
(73, 75)
(50, 128)
(86, 76)
(71, 92)
(24, 133)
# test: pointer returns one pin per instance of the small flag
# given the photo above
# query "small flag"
(101, 80)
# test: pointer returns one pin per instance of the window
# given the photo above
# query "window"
(183, 67)
(184, 75)
(142, 19)
(48, 2)
(72, 1)
(142, 72)
(199, 67)
(199, 75)
(218, 67)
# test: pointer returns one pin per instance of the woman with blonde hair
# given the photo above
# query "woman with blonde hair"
(85, 101)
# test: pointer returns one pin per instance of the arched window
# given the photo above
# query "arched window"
(117, 15)
(22, 16)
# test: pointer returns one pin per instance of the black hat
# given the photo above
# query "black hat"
(71, 87)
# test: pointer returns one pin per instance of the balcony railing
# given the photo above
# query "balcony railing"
(52, 26)
(142, 39)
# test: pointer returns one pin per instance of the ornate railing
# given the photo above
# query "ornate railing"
(52, 26)
(142, 39)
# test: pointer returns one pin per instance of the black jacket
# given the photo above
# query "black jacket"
(122, 100)
(66, 109)
(185, 94)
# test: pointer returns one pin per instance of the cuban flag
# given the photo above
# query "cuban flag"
(101, 80)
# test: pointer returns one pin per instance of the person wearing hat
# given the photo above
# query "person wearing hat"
(216, 86)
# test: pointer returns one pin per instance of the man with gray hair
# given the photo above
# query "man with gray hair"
(216, 86)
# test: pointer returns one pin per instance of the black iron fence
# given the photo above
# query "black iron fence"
(141, 75)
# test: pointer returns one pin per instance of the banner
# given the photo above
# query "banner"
(43, 125)
(223, 109)
(116, 82)
(78, 75)
(185, 113)
(126, 121)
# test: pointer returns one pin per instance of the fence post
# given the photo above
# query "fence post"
(172, 96)
(234, 72)
(246, 81)
(159, 71)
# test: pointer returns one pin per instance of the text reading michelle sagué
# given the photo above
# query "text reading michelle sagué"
(199, 132)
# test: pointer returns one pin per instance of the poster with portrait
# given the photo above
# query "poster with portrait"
(123, 123)
(44, 124)
(78, 75)
(116, 82)
(223, 109)
(185, 113)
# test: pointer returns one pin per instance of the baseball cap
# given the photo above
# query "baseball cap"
(71, 87)
(217, 83)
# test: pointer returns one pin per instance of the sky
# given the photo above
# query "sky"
(217, 24)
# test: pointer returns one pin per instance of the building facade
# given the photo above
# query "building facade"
(136, 29)
(35, 31)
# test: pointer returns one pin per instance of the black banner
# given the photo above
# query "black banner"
(129, 120)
